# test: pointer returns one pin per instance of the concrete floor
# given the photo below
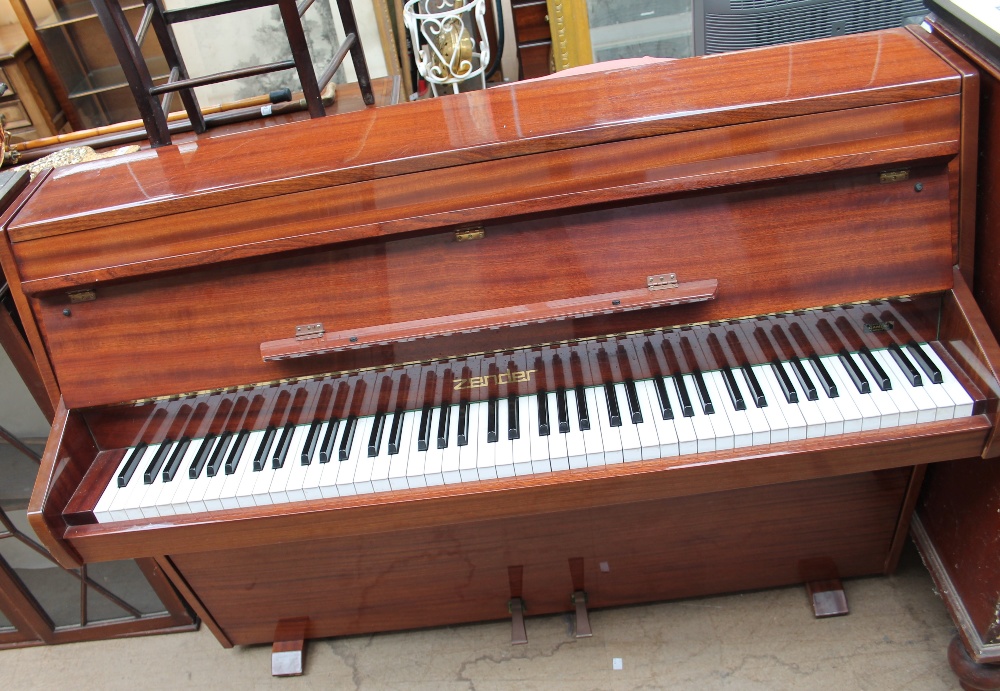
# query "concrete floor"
(895, 638)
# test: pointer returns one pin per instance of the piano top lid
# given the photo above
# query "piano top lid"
(518, 119)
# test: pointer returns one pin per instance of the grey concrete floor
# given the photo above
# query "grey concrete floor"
(895, 638)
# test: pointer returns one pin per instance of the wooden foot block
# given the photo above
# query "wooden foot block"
(289, 647)
(828, 598)
(972, 675)
(518, 635)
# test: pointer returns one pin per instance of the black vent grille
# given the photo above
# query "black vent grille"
(767, 22)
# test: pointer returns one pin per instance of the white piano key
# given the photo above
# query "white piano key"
(296, 478)
(687, 438)
(926, 410)
(558, 450)
(724, 435)
(485, 450)
(611, 436)
(274, 492)
(888, 411)
(365, 471)
(504, 451)
(433, 457)
(576, 449)
(963, 401)
(521, 447)
(415, 458)
(360, 462)
(182, 481)
(738, 419)
(248, 483)
(467, 455)
(899, 394)
(102, 509)
(649, 441)
(125, 505)
(451, 455)
(851, 418)
(331, 469)
(871, 416)
(702, 423)
(215, 485)
(593, 439)
(810, 411)
(772, 411)
(795, 424)
(398, 461)
(538, 445)
(230, 492)
(666, 434)
(196, 498)
(631, 444)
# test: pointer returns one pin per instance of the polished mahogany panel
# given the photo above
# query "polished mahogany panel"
(876, 68)
(635, 552)
(771, 248)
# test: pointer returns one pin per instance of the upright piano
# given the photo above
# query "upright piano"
(649, 333)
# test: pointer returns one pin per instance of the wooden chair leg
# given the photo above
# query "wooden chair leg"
(357, 51)
(133, 63)
(168, 44)
(300, 54)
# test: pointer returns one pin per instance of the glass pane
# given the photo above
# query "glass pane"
(125, 580)
(5, 624)
(56, 591)
(639, 28)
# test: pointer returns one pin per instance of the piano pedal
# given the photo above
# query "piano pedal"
(518, 636)
(288, 649)
(827, 598)
(583, 629)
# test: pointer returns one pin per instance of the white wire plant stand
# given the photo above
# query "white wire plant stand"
(444, 37)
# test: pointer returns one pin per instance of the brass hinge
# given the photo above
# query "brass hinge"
(894, 175)
(466, 234)
(307, 331)
(661, 281)
(82, 296)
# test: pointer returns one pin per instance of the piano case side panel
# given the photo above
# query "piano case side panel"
(683, 547)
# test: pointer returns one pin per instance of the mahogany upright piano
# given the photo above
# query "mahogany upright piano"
(649, 333)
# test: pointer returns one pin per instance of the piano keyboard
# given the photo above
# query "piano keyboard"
(542, 432)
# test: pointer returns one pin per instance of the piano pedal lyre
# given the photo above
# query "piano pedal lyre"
(288, 649)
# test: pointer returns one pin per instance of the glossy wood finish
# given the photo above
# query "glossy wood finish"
(653, 550)
(874, 69)
(750, 240)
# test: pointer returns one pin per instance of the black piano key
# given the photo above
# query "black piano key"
(756, 392)
(706, 401)
(281, 447)
(925, 362)
(543, 413)
(396, 433)
(170, 469)
(562, 410)
(492, 421)
(785, 382)
(854, 372)
(219, 454)
(424, 433)
(910, 373)
(581, 407)
(464, 409)
(347, 440)
(882, 380)
(201, 458)
(153, 469)
(260, 458)
(326, 447)
(444, 420)
(808, 388)
(632, 397)
(375, 438)
(825, 380)
(312, 439)
(666, 410)
(513, 417)
(687, 410)
(135, 455)
(734, 389)
(233, 462)
(614, 414)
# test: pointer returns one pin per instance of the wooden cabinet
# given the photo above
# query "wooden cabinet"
(29, 108)
(76, 58)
